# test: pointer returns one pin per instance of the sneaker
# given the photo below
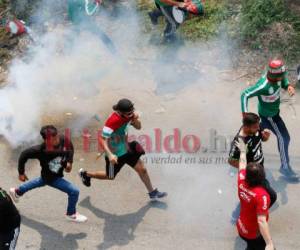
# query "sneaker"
(288, 172)
(76, 218)
(153, 19)
(84, 178)
(155, 194)
(14, 195)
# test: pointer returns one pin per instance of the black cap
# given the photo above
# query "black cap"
(124, 106)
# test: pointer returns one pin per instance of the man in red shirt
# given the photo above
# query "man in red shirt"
(252, 224)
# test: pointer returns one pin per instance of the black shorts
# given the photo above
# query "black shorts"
(8, 241)
(134, 152)
(255, 244)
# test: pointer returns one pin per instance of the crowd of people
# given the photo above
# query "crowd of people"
(55, 153)
(255, 193)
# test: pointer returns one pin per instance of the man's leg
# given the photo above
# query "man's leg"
(155, 14)
(170, 30)
(271, 192)
(255, 244)
(277, 126)
(110, 173)
(133, 160)
(29, 185)
(100, 175)
(71, 190)
(283, 139)
(143, 173)
(9, 241)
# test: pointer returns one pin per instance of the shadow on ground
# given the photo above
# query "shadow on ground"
(52, 238)
(119, 229)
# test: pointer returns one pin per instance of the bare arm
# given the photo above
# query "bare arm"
(112, 157)
(136, 123)
(233, 163)
(265, 231)
(243, 159)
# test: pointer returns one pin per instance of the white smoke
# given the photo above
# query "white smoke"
(65, 70)
(62, 72)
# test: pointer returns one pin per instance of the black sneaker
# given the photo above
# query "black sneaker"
(153, 19)
(289, 173)
(84, 178)
(155, 194)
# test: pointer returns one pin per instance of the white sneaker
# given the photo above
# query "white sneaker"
(14, 195)
(77, 218)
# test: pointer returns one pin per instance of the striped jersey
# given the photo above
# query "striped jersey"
(268, 95)
(254, 147)
(115, 129)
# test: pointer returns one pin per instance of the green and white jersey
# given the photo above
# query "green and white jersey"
(268, 95)
(115, 129)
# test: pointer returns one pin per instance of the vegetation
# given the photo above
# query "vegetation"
(271, 25)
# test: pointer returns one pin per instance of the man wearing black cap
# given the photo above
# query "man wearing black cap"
(119, 151)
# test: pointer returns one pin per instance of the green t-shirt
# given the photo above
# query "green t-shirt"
(268, 95)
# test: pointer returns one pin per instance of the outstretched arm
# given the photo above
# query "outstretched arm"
(243, 159)
(250, 92)
(31, 153)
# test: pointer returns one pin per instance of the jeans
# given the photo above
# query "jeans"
(60, 184)
(277, 126)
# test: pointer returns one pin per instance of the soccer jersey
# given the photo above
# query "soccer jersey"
(268, 95)
(254, 201)
(116, 129)
(254, 148)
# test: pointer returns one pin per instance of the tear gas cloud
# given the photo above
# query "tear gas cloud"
(67, 63)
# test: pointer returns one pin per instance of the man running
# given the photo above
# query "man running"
(253, 136)
(119, 151)
(164, 8)
(252, 224)
(81, 14)
(55, 155)
(267, 89)
(10, 221)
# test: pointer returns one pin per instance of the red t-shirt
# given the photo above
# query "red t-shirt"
(254, 201)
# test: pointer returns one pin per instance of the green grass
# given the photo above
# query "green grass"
(269, 25)
(195, 27)
(208, 25)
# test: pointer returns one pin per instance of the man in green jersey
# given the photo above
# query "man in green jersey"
(267, 90)
(81, 14)
(164, 8)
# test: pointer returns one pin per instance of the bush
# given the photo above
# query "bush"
(270, 26)
(257, 15)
